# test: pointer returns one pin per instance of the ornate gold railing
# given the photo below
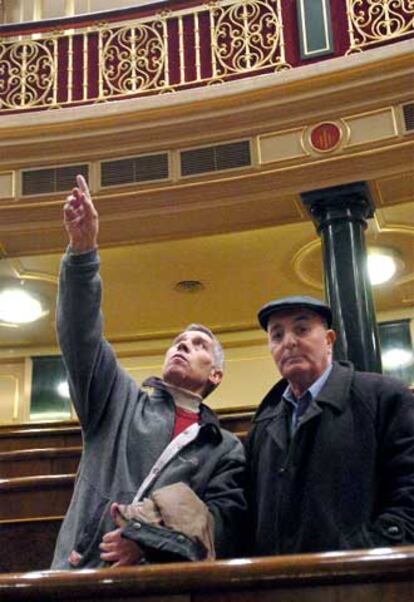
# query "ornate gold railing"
(374, 21)
(175, 49)
(28, 73)
(167, 51)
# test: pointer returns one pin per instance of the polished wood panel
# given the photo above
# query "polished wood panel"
(35, 497)
(358, 576)
(47, 424)
(67, 434)
(14, 438)
(39, 482)
(236, 421)
(31, 462)
(28, 544)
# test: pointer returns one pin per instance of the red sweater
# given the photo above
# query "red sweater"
(183, 419)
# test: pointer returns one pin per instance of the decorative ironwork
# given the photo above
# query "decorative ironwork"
(28, 74)
(374, 21)
(132, 59)
(246, 36)
(204, 44)
(170, 50)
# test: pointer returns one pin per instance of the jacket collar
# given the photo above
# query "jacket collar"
(335, 392)
(210, 425)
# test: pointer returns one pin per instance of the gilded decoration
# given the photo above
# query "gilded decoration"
(28, 73)
(374, 21)
(246, 36)
(209, 43)
(132, 59)
(169, 50)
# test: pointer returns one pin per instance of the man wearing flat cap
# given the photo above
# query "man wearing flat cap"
(331, 449)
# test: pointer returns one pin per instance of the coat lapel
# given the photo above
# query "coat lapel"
(278, 427)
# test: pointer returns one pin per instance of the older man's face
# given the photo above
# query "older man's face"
(189, 362)
(301, 346)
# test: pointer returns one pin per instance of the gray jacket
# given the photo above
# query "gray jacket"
(125, 429)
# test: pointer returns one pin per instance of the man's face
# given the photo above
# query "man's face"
(189, 362)
(301, 346)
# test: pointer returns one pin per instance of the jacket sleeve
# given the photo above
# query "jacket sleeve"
(393, 522)
(225, 499)
(89, 359)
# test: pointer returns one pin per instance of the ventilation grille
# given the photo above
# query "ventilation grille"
(215, 158)
(135, 169)
(408, 113)
(55, 179)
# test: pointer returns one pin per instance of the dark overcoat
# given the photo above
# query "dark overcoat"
(345, 479)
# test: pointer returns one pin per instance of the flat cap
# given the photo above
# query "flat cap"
(292, 303)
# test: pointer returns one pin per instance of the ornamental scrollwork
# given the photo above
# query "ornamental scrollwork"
(27, 73)
(132, 59)
(373, 21)
(247, 36)
(208, 43)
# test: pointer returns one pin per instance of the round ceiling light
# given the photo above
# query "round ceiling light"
(382, 265)
(18, 306)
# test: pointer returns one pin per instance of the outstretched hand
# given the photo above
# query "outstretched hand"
(81, 218)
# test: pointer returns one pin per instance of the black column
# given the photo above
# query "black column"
(340, 214)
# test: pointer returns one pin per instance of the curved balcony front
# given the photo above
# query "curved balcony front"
(152, 50)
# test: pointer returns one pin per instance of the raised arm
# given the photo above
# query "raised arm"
(89, 360)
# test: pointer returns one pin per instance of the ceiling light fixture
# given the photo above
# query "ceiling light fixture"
(18, 306)
(382, 265)
(189, 286)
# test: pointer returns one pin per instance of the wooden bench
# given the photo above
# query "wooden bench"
(358, 576)
(15, 437)
(47, 461)
(38, 482)
(68, 434)
(36, 496)
(28, 544)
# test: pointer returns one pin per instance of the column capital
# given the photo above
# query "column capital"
(349, 202)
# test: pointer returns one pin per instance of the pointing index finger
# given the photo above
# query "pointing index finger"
(83, 186)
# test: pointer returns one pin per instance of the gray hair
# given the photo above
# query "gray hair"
(218, 352)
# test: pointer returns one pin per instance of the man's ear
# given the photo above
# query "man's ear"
(215, 376)
(331, 336)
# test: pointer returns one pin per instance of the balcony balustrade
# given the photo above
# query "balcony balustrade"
(71, 62)
(375, 21)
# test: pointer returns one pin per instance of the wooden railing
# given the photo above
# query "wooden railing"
(34, 437)
(38, 496)
(384, 575)
(32, 507)
(33, 462)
